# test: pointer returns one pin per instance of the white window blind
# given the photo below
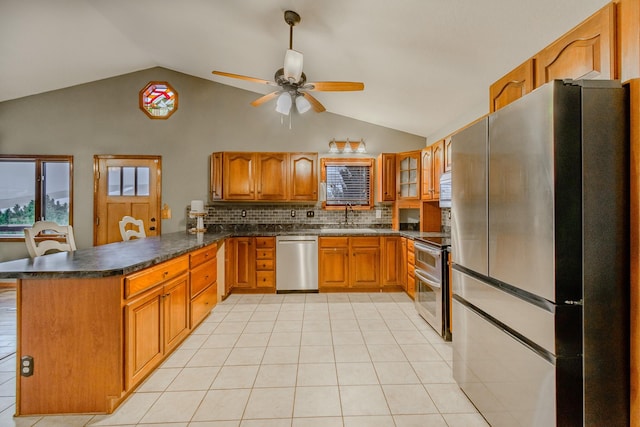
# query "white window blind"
(348, 185)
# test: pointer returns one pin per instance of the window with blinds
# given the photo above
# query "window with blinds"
(348, 182)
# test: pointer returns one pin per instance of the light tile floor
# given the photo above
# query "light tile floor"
(294, 360)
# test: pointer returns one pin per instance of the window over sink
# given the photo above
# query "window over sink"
(347, 182)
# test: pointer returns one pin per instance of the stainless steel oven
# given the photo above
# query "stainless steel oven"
(432, 285)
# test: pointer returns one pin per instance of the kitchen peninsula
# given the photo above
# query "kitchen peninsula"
(93, 323)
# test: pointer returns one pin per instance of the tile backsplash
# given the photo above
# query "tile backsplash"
(290, 216)
(229, 216)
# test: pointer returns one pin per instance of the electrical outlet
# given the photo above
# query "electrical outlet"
(243, 214)
(293, 213)
(378, 213)
(26, 366)
(310, 214)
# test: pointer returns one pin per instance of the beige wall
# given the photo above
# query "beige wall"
(103, 117)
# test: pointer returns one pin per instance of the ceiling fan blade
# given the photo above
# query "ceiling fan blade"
(268, 97)
(315, 104)
(241, 77)
(334, 86)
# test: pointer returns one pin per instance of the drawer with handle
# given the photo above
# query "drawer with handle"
(138, 282)
(203, 276)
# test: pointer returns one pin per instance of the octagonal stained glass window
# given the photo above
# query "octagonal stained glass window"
(158, 100)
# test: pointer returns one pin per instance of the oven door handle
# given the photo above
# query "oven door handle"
(427, 280)
(436, 253)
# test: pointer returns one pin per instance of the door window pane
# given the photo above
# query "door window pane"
(142, 187)
(114, 182)
(128, 181)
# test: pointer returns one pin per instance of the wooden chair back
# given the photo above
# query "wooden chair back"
(47, 236)
(131, 228)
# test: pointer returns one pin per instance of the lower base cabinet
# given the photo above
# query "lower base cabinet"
(93, 340)
(250, 264)
(349, 263)
(155, 323)
(202, 304)
(411, 268)
(204, 283)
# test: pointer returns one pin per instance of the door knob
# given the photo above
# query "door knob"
(152, 220)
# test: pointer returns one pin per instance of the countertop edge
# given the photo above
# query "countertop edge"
(144, 253)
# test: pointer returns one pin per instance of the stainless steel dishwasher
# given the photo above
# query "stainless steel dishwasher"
(296, 264)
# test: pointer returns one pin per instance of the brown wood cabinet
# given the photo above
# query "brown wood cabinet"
(588, 51)
(403, 263)
(271, 176)
(253, 266)
(333, 262)
(390, 262)
(347, 263)
(229, 265)
(215, 174)
(513, 85)
(432, 167)
(408, 175)
(303, 176)
(447, 154)
(386, 177)
(411, 268)
(203, 279)
(364, 264)
(266, 262)
(112, 330)
(156, 320)
(250, 176)
(238, 171)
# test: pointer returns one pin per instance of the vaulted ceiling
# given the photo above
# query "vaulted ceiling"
(426, 64)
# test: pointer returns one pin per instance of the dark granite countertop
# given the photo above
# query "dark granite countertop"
(123, 258)
(114, 259)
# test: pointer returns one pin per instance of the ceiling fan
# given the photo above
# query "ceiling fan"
(292, 82)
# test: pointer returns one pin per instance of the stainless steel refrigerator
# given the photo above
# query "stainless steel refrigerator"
(540, 245)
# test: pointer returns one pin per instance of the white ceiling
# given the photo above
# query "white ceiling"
(426, 64)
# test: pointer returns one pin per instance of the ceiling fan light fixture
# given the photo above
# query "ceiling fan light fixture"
(302, 104)
(293, 65)
(283, 104)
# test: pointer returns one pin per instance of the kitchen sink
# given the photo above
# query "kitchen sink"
(348, 230)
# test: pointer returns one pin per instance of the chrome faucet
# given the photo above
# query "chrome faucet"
(347, 208)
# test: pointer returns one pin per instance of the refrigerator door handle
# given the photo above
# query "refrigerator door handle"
(428, 281)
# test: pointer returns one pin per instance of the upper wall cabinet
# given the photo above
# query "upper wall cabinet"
(586, 52)
(247, 176)
(272, 170)
(433, 160)
(386, 174)
(303, 176)
(513, 85)
(408, 175)
(447, 154)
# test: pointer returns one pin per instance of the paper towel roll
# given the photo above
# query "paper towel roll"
(197, 206)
